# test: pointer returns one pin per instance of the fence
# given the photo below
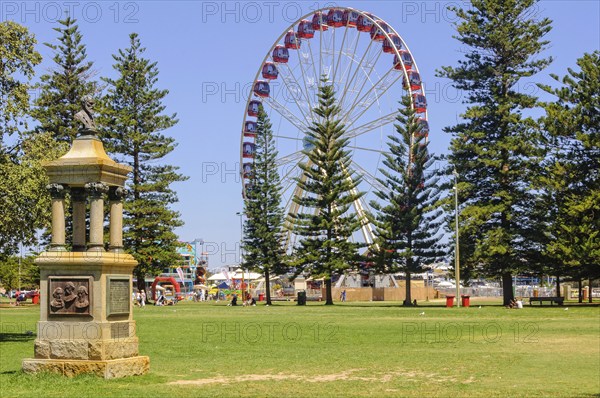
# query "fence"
(484, 291)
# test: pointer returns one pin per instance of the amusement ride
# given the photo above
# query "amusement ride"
(370, 67)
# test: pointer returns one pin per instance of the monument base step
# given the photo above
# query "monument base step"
(108, 369)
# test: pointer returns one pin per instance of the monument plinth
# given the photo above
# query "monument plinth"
(86, 322)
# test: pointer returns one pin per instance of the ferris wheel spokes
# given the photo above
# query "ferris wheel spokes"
(286, 113)
(348, 81)
(350, 55)
(364, 77)
(292, 157)
(306, 92)
(340, 53)
(303, 104)
(370, 126)
(372, 95)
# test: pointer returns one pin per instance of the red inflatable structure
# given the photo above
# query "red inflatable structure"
(169, 279)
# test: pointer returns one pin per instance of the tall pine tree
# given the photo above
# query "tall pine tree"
(407, 221)
(330, 188)
(571, 178)
(263, 235)
(68, 82)
(495, 148)
(134, 120)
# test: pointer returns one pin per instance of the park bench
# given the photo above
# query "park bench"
(552, 300)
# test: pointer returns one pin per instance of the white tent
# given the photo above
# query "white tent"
(218, 277)
(250, 276)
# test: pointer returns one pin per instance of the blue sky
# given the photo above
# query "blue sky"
(209, 52)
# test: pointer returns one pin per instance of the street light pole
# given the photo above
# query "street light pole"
(241, 214)
(456, 250)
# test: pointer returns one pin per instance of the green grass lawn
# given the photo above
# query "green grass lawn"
(350, 349)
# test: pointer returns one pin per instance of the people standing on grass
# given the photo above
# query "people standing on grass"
(143, 299)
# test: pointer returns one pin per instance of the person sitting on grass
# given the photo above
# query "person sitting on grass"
(250, 301)
(233, 301)
(519, 304)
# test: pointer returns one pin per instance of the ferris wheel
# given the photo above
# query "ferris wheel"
(370, 67)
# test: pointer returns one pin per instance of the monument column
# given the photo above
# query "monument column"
(57, 194)
(96, 191)
(86, 318)
(78, 198)
(115, 196)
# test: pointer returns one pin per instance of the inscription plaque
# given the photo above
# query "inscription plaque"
(118, 297)
(69, 295)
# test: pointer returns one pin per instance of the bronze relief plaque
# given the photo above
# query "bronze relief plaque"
(69, 295)
(118, 295)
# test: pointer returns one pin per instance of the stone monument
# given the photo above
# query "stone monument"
(86, 323)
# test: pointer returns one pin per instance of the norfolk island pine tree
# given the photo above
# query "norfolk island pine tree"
(263, 244)
(408, 217)
(330, 188)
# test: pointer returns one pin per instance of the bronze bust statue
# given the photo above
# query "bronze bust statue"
(85, 115)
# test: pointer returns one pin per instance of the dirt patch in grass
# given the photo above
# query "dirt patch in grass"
(347, 375)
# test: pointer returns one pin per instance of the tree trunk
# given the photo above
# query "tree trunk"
(580, 291)
(267, 287)
(328, 295)
(408, 299)
(590, 290)
(507, 288)
(558, 293)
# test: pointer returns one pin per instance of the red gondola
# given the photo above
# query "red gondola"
(319, 22)
(335, 18)
(424, 128)
(247, 170)
(419, 103)
(261, 88)
(250, 129)
(253, 107)
(248, 150)
(377, 33)
(350, 18)
(415, 80)
(364, 24)
(292, 40)
(389, 46)
(269, 71)
(305, 29)
(406, 60)
(281, 54)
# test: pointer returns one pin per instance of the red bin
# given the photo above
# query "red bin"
(449, 301)
(465, 300)
(35, 298)
(261, 297)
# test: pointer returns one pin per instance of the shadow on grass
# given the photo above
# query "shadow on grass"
(18, 337)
